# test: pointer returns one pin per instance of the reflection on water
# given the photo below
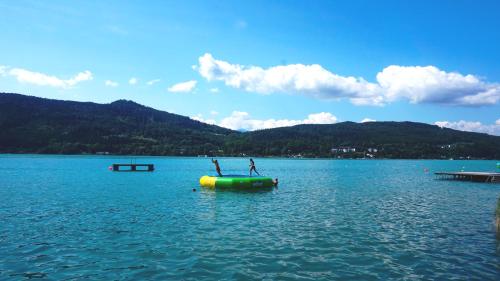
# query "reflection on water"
(69, 217)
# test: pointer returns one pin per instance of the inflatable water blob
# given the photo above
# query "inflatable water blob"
(236, 181)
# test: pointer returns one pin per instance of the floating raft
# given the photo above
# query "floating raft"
(133, 167)
(236, 181)
(470, 176)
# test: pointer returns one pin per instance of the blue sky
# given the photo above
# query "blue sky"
(259, 64)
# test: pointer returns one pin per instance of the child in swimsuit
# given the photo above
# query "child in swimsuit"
(217, 167)
(252, 167)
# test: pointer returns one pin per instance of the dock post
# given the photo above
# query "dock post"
(497, 218)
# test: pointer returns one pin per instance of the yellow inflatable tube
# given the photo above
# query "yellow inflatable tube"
(237, 181)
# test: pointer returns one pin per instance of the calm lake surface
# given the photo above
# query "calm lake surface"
(69, 217)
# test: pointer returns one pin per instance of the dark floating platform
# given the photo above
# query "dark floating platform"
(489, 177)
(133, 167)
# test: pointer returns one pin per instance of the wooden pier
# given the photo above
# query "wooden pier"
(133, 167)
(489, 177)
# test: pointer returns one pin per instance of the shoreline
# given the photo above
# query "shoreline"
(246, 156)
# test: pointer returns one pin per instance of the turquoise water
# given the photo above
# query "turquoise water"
(69, 217)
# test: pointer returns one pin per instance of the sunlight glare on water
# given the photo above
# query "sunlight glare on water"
(70, 217)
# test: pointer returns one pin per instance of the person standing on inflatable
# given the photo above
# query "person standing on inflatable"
(217, 167)
(252, 167)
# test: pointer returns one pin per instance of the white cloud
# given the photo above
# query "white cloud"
(214, 90)
(430, 84)
(110, 83)
(471, 126)
(199, 117)
(213, 112)
(240, 120)
(3, 70)
(320, 118)
(311, 80)
(133, 81)
(152, 82)
(368, 120)
(82, 76)
(414, 83)
(41, 79)
(183, 87)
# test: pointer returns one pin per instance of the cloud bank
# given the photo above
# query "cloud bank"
(240, 120)
(417, 84)
(183, 87)
(472, 126)
(41, 79)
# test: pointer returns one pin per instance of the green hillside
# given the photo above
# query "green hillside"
(388, 139)
(36, 125)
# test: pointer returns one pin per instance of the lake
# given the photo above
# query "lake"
(69, 217)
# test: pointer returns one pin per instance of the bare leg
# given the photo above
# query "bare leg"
(253, 169)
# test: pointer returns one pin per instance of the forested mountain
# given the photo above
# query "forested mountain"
(36, 125)
(379, 139)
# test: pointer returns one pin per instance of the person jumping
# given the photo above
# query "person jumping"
(217, 167)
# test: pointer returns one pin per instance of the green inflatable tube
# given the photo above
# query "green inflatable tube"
(236, 181)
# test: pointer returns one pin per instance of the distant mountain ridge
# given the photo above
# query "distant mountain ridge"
(37, 125)
(379, 139)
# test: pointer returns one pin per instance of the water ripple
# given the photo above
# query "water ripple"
(324, 222)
